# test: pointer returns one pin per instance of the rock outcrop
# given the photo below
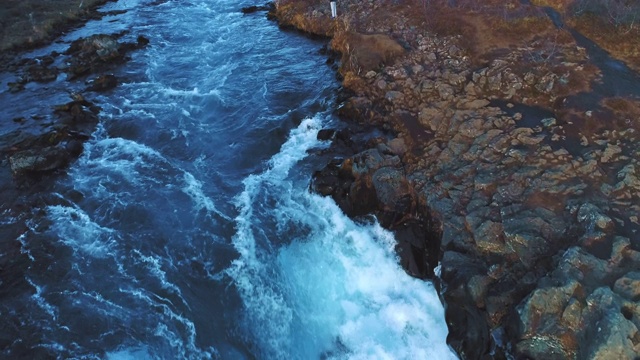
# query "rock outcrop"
(54, 149)
(54, 146)
(528, 198)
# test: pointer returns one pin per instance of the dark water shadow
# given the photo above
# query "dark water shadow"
(618, 80)
(532, 116)
(541, 120)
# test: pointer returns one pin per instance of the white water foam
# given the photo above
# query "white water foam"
(193, 188)
(154, 267)
(116, 173)
(116, 160)
(109, 163)
(139, 353)
(336, 290)
(41, 302)
(190, 93)
(76, 229)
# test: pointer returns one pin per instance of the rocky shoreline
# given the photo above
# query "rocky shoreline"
(31, 153)
(506, 161)
(33, 150)
(38, 145)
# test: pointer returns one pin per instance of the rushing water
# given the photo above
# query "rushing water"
(186, 229)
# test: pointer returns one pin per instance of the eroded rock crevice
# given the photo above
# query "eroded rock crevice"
(373, 182)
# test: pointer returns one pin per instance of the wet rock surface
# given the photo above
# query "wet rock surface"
(529, 194)
(373, 182)
(59, 144)
(51, 146)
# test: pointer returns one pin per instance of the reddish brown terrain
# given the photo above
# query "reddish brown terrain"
(513, 144)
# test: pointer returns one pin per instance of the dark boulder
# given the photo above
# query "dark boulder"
(81, 114)
(333, 181)
(418, 246)
(394, 195)
(356, 108)
(15, 86)
(75, 147)
(104, 47)
(142, 41)
(98, 53)
(41, 73)
(253, 9)
(469, 337)
(362, 198)
(326, 134)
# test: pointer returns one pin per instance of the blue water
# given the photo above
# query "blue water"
(186, 229)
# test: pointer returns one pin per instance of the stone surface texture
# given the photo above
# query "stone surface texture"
(534, 200)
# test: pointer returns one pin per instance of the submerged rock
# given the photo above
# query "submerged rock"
(62, 141)
(39, 160)
(103, 83)
(55, 148)
(98, 53)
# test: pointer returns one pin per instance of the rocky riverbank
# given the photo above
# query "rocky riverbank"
(56, 137)
(41, 137)
(510, 159)
(33, 150)
(30, 23)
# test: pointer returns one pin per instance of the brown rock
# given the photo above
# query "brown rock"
(610, 152)
(473, 104)
(628, 286)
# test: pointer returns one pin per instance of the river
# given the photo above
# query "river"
(186, 229)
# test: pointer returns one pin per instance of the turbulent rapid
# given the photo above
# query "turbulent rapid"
(186, 229)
